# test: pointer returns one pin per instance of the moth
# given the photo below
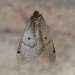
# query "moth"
(36, 41)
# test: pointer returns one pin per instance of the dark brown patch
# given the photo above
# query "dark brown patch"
(28, 55)
(45, 37)
(18, 51)
(54, 51)
(39, 50)
(49, 53)
(28, 38)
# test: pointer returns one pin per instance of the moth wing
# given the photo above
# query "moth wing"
(30, 46)
(49, 52)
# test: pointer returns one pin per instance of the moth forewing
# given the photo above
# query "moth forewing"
(49, 50)
(31, 44)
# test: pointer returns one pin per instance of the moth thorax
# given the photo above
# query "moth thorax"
(37, 21)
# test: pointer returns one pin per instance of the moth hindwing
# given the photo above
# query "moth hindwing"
(36, 41)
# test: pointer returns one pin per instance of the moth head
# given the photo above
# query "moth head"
(36, 14)
(36, 18)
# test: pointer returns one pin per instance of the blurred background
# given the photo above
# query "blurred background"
(58, 14)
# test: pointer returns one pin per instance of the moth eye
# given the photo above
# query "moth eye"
(29, 38)
(45, 37)
(18, 51)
